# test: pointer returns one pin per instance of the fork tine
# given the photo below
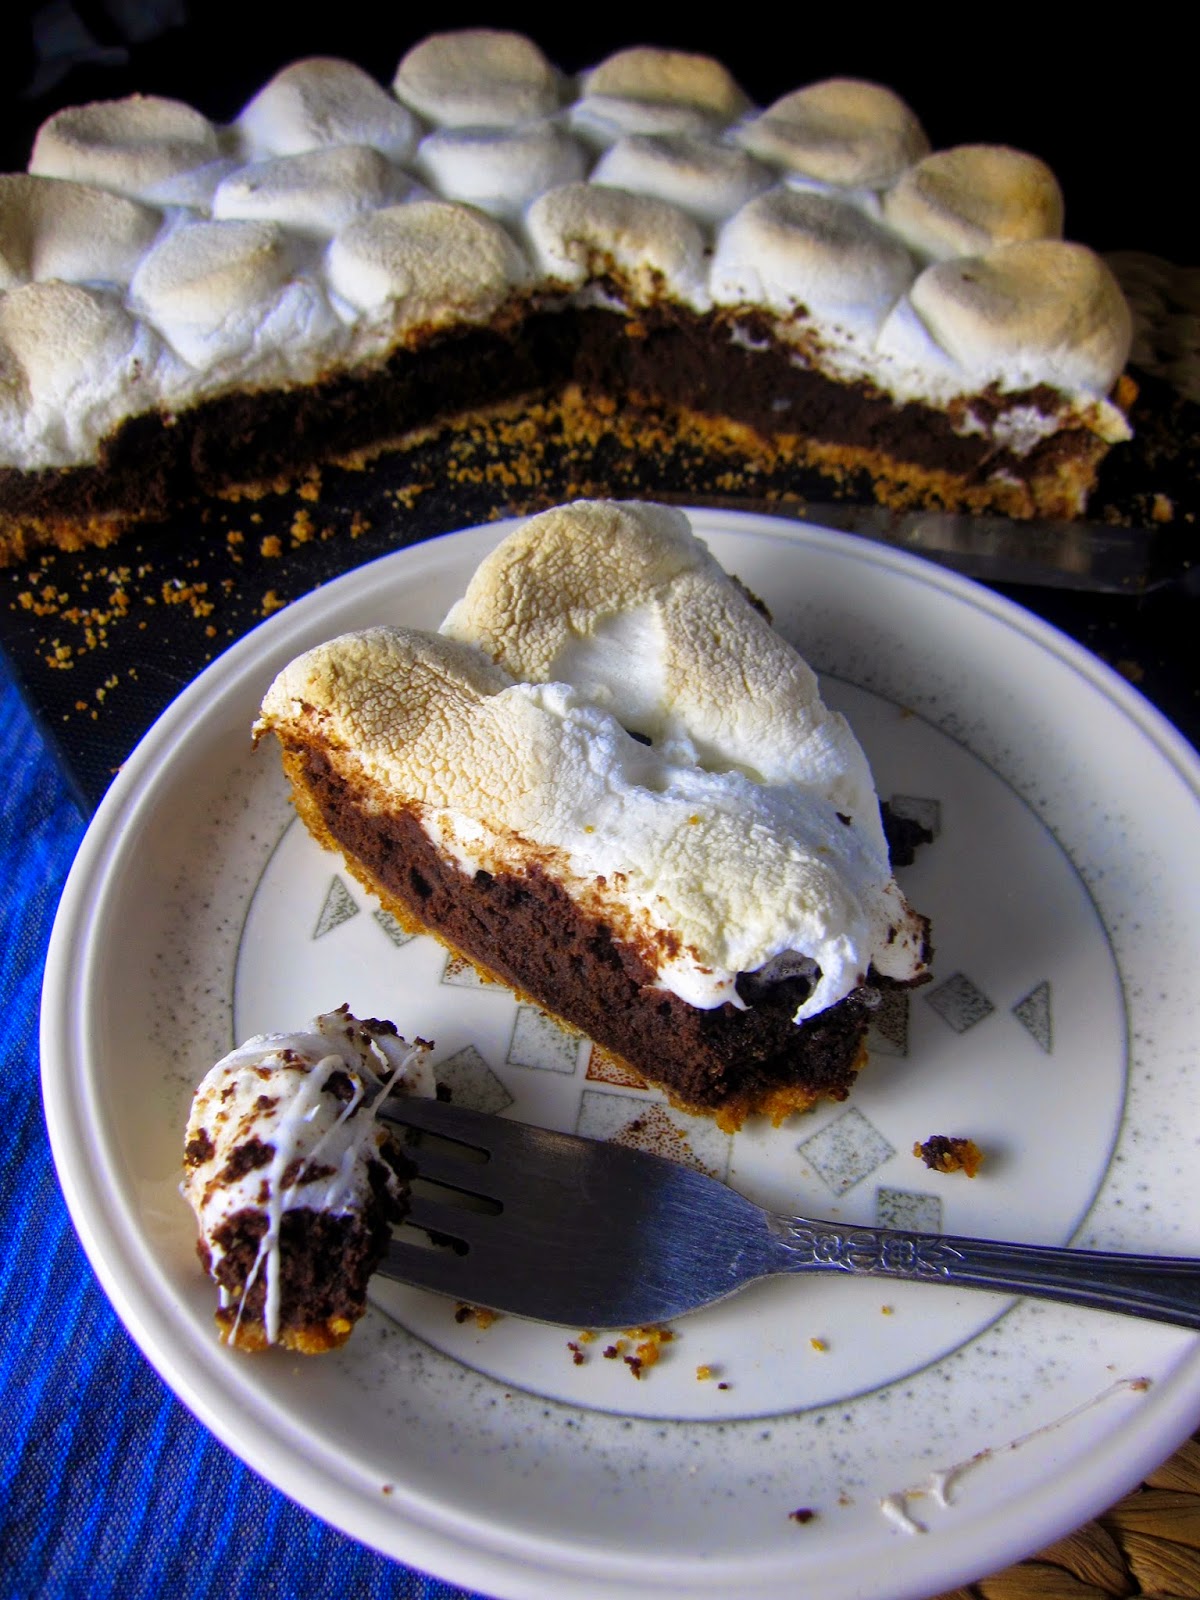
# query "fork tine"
(426, 1268)
(494, 1273)
(456, 1222)
(443, 1166)
(526, 1165)
(482, 1278)
(480, 1130)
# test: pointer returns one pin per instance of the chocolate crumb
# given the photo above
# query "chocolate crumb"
(200, 1149)
(949, 1153)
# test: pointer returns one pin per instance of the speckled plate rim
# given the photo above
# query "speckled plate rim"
(417, 1529)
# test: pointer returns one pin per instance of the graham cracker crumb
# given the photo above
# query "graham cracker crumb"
(648, 1348)
(950, 1153)
(482, 1316)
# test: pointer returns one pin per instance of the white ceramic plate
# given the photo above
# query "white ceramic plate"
(936, 1436)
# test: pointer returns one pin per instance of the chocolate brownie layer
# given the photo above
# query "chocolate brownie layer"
(728, 367)
(325, 1265)
(665, 362)
(154, 463)
(728, 1061)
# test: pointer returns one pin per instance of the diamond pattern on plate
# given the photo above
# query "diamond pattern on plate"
(887, 1032)
(539, 1041)
(472, 1083)
(920, 809)
(906, 1208)
(462, 975)
(604, 1067)
(960, 1003)
(395, 930)
(846, 1150)
(661, 1130)
(338, 907)
(1033, 1013)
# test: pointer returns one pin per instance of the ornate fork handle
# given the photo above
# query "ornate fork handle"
(1164, 1288)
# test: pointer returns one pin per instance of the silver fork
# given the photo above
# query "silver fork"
(574, 1231)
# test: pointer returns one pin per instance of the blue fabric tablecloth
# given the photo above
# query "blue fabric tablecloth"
(108, 1486)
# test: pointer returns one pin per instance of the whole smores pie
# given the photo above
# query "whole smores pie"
(186, 306)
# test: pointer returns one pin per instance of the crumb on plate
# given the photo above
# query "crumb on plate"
(949, 1153)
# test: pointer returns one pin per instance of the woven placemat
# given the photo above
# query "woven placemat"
(1147, 1544)
(1165, 301)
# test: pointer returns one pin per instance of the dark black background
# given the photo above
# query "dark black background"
(1112, 106)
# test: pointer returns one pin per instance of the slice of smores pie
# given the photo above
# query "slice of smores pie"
(609, 782)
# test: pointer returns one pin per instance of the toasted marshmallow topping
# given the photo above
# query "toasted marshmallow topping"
(194, 189)
(56, 334)
(600, 119)
(127, 145)
(961, 201)
(323, 150)
(651, 91)
(1005, 315)
(622, 601)
(428, 263)
(802, 253)
(500, 170)
(477, 78)
(55, 229)
(315, 193)
(748, 829)
(667, 77)
(323, 102)
(644, 247)
(73, 362)
(203, 284)
(708, 180)
(301, 1106)
(224, 293)
(842, 131)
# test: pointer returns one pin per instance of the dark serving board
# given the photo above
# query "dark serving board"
(103, 640)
